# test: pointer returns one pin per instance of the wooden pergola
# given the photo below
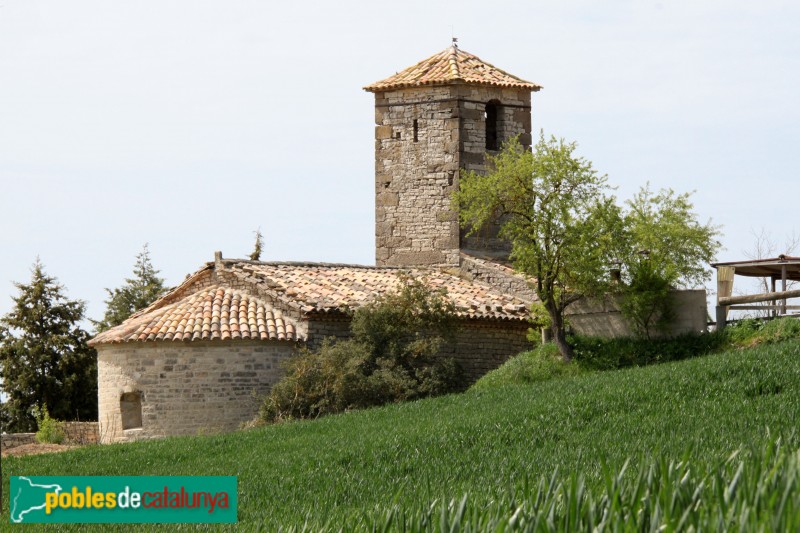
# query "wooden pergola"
(782, 268)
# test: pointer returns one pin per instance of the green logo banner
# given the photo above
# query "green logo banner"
(122, 499)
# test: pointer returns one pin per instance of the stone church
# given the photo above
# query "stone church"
(198, 359)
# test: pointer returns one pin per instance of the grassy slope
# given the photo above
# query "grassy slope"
(482, 442)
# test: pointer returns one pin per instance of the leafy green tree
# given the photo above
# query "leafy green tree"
(138, 292)
(556, 212)
(44, 358)
(665, 247)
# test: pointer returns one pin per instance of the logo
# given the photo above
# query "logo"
(123, 499)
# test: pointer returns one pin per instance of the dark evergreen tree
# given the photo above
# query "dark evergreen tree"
(144, 288)
(44, 358)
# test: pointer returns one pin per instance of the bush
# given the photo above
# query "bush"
(51, 430)
(393, 355)
(753, 331)
(541, 364)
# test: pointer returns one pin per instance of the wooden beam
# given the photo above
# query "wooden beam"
(762, 307)
(753, 298)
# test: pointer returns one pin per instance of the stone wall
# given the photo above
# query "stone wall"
(481, 346)
(423, 137)
(322, 326)
(74, 433)
(499, 276)
(80, 432)
(183, 387)
(604, 319)
(12, 440)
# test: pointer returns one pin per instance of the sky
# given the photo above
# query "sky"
(189, 124)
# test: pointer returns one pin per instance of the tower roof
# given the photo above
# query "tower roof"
(448, 66)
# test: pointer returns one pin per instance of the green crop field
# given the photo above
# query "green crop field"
(709, 442)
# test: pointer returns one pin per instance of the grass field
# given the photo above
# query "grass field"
(541, 457)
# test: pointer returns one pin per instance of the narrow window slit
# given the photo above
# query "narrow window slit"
(490, 115)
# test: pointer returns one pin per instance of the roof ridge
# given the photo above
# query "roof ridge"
(448, 66)
(454, 70)
(321, 264)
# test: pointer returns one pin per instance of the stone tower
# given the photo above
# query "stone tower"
(432, 120)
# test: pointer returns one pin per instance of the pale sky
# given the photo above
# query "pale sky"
(189, 124)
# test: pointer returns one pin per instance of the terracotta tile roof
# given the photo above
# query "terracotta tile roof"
(209, 314)
(448, 66)
(220, 312)
(319, 287)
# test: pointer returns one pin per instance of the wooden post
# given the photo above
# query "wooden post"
(773, 312)
(724, 290)
(783, 288)
(722, 317)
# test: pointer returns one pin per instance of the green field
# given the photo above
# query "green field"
(541, 457)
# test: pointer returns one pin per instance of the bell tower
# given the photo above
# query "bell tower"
(432, 120)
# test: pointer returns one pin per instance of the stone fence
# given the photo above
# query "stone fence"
(80, 432)
(12, 440)
(74, 433)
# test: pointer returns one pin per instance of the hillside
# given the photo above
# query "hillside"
(493, 445)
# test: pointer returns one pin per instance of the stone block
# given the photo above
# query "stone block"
(383, 132)
(387, 199)
(430, 257)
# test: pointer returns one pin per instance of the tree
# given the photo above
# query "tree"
(554, 209)
(765, 247)
(665, 247)
(44, 359)
(258, 247)
(138, 292)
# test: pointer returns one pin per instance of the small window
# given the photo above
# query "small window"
(490, 116)
(130, 405)
(416, 130)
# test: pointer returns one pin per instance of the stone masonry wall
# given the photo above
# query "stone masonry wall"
(74, 433)
(414, 178)
(417, 167)
(185, 387)
(498, 276)
(323, 326)
(12, 440)
(513, 119)
(481, 346)
(80, 432)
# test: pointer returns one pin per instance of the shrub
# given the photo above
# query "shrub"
(540, 364)
(393, 355)
(597, 353)
(51, 430)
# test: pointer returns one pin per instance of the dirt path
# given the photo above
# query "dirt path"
(35, 449)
